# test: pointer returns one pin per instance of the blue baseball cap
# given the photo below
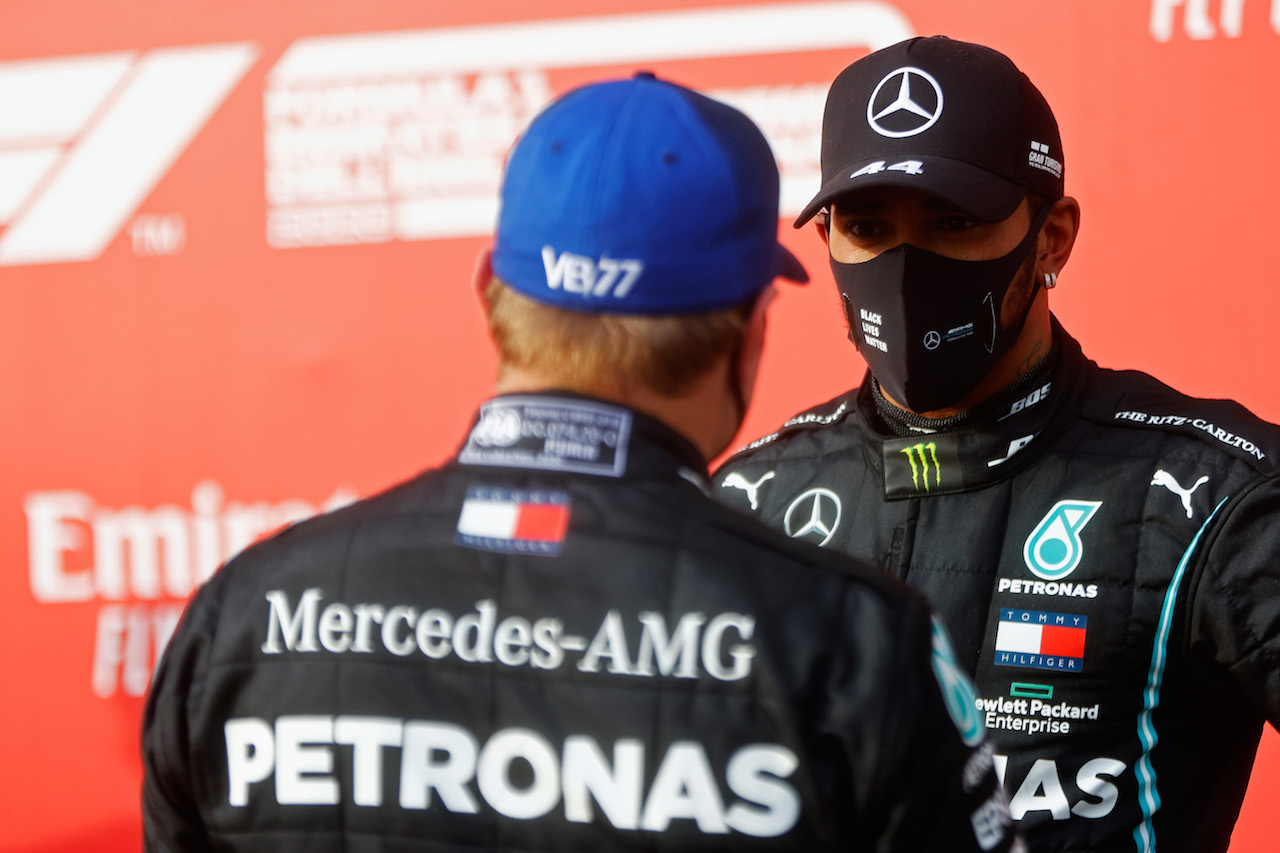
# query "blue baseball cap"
(641, 197)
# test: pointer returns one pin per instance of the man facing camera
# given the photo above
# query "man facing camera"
(1102, 548)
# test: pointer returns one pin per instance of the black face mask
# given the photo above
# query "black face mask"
(929, 326)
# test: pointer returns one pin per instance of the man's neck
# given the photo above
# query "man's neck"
(703, 414)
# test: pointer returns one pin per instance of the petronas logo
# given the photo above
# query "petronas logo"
(924, 461)
(1054, 549)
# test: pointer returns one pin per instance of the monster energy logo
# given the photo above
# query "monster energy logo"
(923, 457)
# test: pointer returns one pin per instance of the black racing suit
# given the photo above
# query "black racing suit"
(559, 641)
(1106, 556)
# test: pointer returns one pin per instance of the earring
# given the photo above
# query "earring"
(1050, 280)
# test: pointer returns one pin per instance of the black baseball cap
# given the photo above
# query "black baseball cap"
(947, 117)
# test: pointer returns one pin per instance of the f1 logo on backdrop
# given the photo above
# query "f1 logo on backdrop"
(84, 140)
(372, 137)
(402, 136)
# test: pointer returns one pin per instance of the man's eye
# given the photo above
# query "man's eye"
(955, 223)
(863, 228)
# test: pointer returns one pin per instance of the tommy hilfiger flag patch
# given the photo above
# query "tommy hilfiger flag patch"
(1041, 640)
(514, 521)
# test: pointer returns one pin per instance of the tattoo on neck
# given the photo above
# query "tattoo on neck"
(1033, 358)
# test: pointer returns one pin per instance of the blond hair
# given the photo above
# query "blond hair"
(607, 354)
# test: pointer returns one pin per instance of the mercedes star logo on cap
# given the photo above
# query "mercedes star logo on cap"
(914, 109)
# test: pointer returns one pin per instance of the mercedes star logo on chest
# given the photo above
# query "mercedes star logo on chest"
(813, 516)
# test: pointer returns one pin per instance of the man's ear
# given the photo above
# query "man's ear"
(481, 276)
(820, 224)
(752, 349)
(1058, 236)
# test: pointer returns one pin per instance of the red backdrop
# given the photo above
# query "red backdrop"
(236, 241)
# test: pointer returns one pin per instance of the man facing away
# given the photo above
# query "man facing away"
(1103, 549)
(558, 640)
